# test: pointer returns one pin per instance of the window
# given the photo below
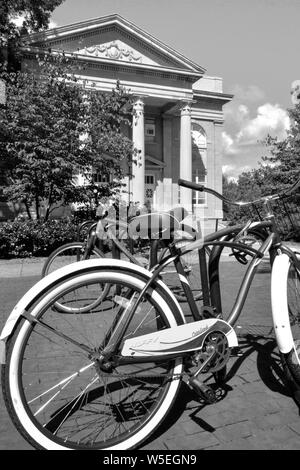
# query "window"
(149, 179)
(150, 130)
(199, 154)
(101, 178)
(198, 197)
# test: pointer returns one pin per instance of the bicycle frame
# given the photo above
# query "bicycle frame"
(118, 246)
(210, 283)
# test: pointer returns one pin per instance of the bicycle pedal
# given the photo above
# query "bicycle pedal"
(236, 352)
(209, 312)
(204, 391)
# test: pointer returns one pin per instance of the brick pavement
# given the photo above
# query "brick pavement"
(253, 411)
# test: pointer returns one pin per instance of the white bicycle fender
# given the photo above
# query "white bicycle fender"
(57, 276)
(279, 302)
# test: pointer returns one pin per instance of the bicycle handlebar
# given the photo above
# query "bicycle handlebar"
(201, 188)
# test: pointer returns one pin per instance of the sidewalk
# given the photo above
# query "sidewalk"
(253, 410)
(33, 266)
(21, 267)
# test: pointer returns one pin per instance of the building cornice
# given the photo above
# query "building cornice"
(122, 66)
(213, 95)
(208, 115)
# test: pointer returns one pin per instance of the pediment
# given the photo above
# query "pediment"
(113, 38)
(117, 50)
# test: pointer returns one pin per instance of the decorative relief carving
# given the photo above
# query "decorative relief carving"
(112, 50)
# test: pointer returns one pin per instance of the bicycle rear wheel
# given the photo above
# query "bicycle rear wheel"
(68, 254)
(286, 313)
(57, 394)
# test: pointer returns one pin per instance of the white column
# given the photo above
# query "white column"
(168, 169)
(186, 154)
(138, 168)
(167, 146)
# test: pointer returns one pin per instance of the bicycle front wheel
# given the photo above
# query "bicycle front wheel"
(286, 316)
(68, 254)
(57, 394)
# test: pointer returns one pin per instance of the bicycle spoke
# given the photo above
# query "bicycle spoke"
(63, 385)
(67, 380)
(77, 399)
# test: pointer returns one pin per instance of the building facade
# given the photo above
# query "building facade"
(178, 119)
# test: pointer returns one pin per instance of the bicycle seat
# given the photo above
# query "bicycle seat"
(157, 224)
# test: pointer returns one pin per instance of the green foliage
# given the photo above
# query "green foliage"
(248, 187)
(41, 136)
(281, 168)
(36, 16)
(21, 239)
(251, 186)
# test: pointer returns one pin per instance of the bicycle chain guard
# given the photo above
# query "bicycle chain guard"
(178, 340)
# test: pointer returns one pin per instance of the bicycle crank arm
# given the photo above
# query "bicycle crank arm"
(177, 340)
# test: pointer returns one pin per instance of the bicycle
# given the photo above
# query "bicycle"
(120, 246)
(77, 250)
(73, 252)
(107, 379)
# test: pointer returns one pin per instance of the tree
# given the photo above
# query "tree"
(281, 168)
(42, 130)
(36, 16)
(250, 185)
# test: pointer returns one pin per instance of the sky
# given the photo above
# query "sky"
(254, 45)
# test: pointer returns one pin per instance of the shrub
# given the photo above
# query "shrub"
(20, 239)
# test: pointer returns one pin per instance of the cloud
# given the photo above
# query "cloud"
(247, 124)
(247, 121)
(236, 112)
(252, 93)
(228, 171)
(233, 171)
(228, 144)
(270, 119)
(52, 24)
(245, 101)
(243, 110)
